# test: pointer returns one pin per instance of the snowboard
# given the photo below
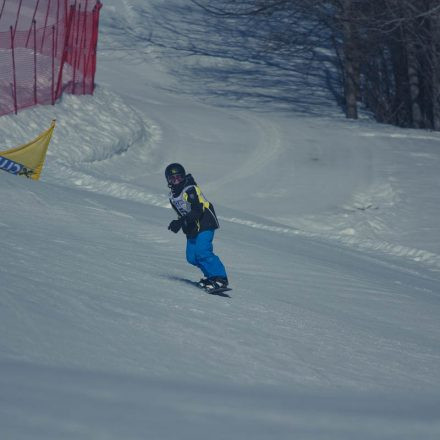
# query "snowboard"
(219, 292)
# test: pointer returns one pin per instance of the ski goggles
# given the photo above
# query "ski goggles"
(175, 179)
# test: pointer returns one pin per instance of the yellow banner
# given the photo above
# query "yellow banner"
(27, 160)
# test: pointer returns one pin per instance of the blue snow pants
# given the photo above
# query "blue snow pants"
(199, 252)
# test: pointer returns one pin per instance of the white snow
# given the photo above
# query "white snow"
(329, 232)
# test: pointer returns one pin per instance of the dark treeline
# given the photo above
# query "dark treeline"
(387, 51)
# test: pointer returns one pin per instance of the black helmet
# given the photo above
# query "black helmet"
(175, 169)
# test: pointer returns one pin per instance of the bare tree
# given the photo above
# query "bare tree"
(351, 57)
(414, 34)
(388, 50)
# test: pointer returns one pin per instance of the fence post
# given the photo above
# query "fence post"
(95, 40)
(14, 87)
(86, 49)
(71, 43)
(76, 45)
(35, 61)
(58, 26)
(18, 15)
(65, 49)
(3, 7)
(82, 44)
(89, 56)
(45, 25)
(33, 19)
(52, 90)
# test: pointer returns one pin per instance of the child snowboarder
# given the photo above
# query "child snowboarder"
(197, 219)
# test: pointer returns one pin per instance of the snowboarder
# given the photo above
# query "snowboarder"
(197, 219)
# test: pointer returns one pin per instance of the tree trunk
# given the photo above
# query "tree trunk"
(350, 60)
(414, 84)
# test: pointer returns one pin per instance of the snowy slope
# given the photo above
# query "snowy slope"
(328, 231)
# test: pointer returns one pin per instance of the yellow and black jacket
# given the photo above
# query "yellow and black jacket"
(195, 212)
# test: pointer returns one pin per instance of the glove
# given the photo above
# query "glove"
(175, 226)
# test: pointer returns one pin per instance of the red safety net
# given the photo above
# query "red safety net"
(47, 47)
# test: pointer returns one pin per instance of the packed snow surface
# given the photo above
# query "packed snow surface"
(329, 232)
